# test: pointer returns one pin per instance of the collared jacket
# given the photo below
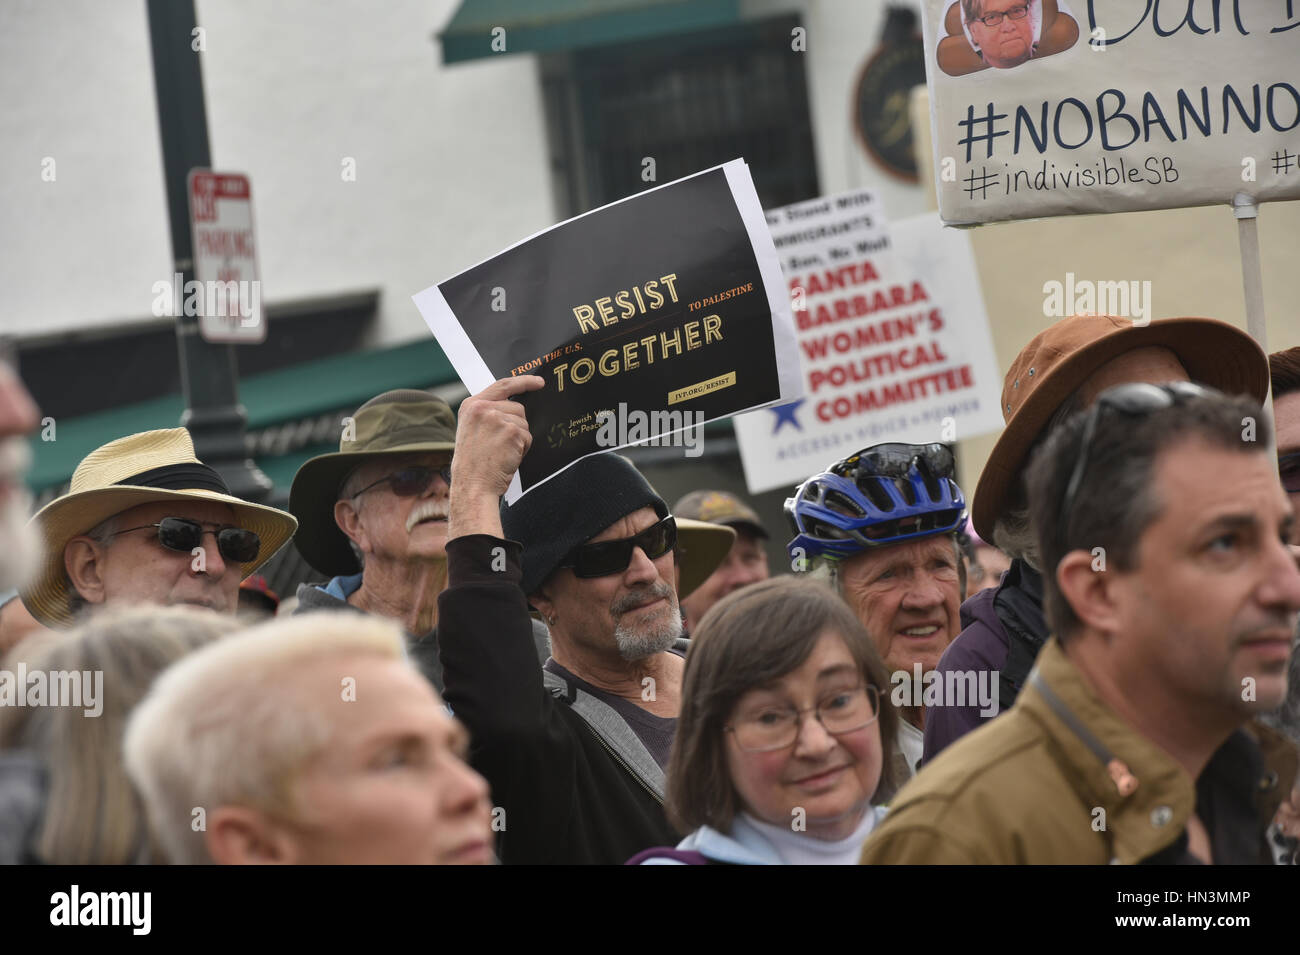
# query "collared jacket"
(575, 782)
(1062, 779)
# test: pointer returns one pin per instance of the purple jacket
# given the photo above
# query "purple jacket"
(1002, 630)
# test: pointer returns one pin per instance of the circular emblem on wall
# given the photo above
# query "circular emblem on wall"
(880, 103)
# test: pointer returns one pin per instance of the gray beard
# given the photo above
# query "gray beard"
(638, 643)
(21, 547)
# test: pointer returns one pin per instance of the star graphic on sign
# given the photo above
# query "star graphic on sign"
(921, 259)
(785, 413)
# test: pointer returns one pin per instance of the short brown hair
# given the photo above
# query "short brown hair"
(1284, 371)
(749, 640)
(1116, 500)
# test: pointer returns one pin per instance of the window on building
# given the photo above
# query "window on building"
(685, 102)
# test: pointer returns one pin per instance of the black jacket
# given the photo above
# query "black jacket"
(576, 784)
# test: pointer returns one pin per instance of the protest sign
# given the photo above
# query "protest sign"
(894, 341)
(645, 317)
(1054, 107)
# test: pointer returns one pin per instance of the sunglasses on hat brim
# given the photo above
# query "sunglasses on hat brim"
(613, 557)
(1133, 399)
(895, 461)
(236, 544)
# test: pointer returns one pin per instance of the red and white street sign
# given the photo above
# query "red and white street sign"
(229, 293)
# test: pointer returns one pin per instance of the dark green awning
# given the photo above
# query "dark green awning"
(288, 394)
(548, 26)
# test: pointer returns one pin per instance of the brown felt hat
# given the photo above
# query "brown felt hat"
(1061, 357)
(404, 421)
(145, 468)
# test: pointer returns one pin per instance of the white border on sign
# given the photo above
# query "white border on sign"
(476, 375)
(789, 374)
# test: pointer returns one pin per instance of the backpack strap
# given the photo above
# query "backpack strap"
(611, 729)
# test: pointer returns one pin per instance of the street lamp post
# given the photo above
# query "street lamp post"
(209, 376)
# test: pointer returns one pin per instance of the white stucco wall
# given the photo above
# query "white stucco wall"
(85, 248)
(450, 162)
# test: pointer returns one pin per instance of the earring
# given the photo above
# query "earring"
(550, 621)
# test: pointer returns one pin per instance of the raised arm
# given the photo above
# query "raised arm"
(490, 670)
(491, 440)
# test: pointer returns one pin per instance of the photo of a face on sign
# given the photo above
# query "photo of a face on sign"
(1082, 107)
(1003, 34)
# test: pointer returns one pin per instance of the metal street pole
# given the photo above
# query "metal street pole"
(209, 378)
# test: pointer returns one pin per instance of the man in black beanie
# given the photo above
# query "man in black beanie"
(575, 752)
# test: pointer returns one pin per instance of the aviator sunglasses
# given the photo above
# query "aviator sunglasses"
(181, 534)
(613, 557)
(410, 482)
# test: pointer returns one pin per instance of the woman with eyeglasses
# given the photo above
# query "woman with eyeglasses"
(782, 744)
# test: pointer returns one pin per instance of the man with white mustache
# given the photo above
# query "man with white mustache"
(373, 516)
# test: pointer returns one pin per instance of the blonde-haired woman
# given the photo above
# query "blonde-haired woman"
(65, 798)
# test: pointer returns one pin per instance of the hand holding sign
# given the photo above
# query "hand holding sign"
(647, 317)
(492, 438)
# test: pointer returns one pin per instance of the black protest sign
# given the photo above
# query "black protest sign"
(644, 317)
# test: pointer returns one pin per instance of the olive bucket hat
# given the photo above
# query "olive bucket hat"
(398, 422)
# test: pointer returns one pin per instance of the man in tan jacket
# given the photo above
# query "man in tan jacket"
(1173, 598)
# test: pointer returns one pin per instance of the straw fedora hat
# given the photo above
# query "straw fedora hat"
(1061, 357)
(404, 421)
(143, 468)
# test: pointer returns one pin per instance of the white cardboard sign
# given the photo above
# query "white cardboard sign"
(1058, 107)
(894, 342)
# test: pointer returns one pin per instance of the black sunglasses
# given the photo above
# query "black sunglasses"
(236, 544)
(1288, 465)
(895, 461)
(1137, 398)
(409, 482)
(613, 557)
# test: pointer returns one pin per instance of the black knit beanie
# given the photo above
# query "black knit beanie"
(572, 508)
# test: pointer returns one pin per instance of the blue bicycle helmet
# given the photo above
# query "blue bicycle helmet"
(880, 495)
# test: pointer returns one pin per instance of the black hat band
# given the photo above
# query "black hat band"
(180, 477)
